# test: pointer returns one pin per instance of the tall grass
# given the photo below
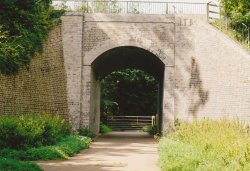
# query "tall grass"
(207, 145)
(239, 35)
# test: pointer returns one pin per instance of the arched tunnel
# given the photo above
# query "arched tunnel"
(129, 57)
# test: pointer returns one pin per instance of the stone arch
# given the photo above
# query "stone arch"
(148, 45)
(90, 103)
(85, 37)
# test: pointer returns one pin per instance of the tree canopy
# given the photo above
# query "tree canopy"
(129, 92)
(24, 25)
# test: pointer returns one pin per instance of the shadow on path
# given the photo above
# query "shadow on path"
(117, 151)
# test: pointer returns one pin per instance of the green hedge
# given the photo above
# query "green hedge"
(207, 145)
(27, 131)
(65, 148)
(14, 165)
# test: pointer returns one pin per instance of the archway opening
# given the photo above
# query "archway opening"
(129, 100)
(131, 61)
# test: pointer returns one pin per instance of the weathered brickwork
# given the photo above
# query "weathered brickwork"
(206, 74)
(152, 33)
(39, 87)
(211, 73)
(148, 32)
(72, 54)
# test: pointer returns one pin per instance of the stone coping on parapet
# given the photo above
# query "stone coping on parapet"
(135, 18)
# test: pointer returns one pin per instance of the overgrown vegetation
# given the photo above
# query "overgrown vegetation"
(31, 130)
(87, 133)
(238, 11)
(66, 147)
(151, 129)
(236, 20)
(14, 165)
(207, 145)
(36, 137)
(104, 129)
(239, 36)
(24, 25)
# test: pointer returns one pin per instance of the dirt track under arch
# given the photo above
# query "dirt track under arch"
(118, 151)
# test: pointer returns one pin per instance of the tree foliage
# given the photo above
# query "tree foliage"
(129, 92)
(24, 25)
(237, 10)
(236, 20)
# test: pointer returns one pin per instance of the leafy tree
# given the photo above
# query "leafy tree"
(237, 14)
(129, 92)
(24, 25)
(237, 10)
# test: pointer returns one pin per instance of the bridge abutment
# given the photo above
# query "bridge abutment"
(201, 72)
(89, 36)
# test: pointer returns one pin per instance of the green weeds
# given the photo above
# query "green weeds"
(87, 133)
(31, 130)
(65, 148)
(104, 129)
(151, 130)
(207, 145)
(14, 165)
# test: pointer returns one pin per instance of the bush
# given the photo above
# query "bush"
(104, 129)
(151, 130)
(14, 165)
(12, 154)
(31, 130)
(86, 132)
(62, 150)
(65, 148)
(207, 145)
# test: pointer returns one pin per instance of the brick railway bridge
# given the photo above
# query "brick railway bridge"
(201, 72)
(96, 45)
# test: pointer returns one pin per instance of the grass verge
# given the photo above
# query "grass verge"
(65, 148)
(220, 24)
(206, 145)
(14, 165)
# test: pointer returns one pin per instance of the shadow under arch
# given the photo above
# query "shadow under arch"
(128, 57)
(123, 57)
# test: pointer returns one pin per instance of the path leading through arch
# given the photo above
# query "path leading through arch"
(117, 151)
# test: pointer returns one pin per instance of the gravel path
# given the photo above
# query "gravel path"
(117, 151)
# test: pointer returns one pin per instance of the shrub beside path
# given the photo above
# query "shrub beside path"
(117, 151)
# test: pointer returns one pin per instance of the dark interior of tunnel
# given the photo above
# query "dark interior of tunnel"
(128, 57)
